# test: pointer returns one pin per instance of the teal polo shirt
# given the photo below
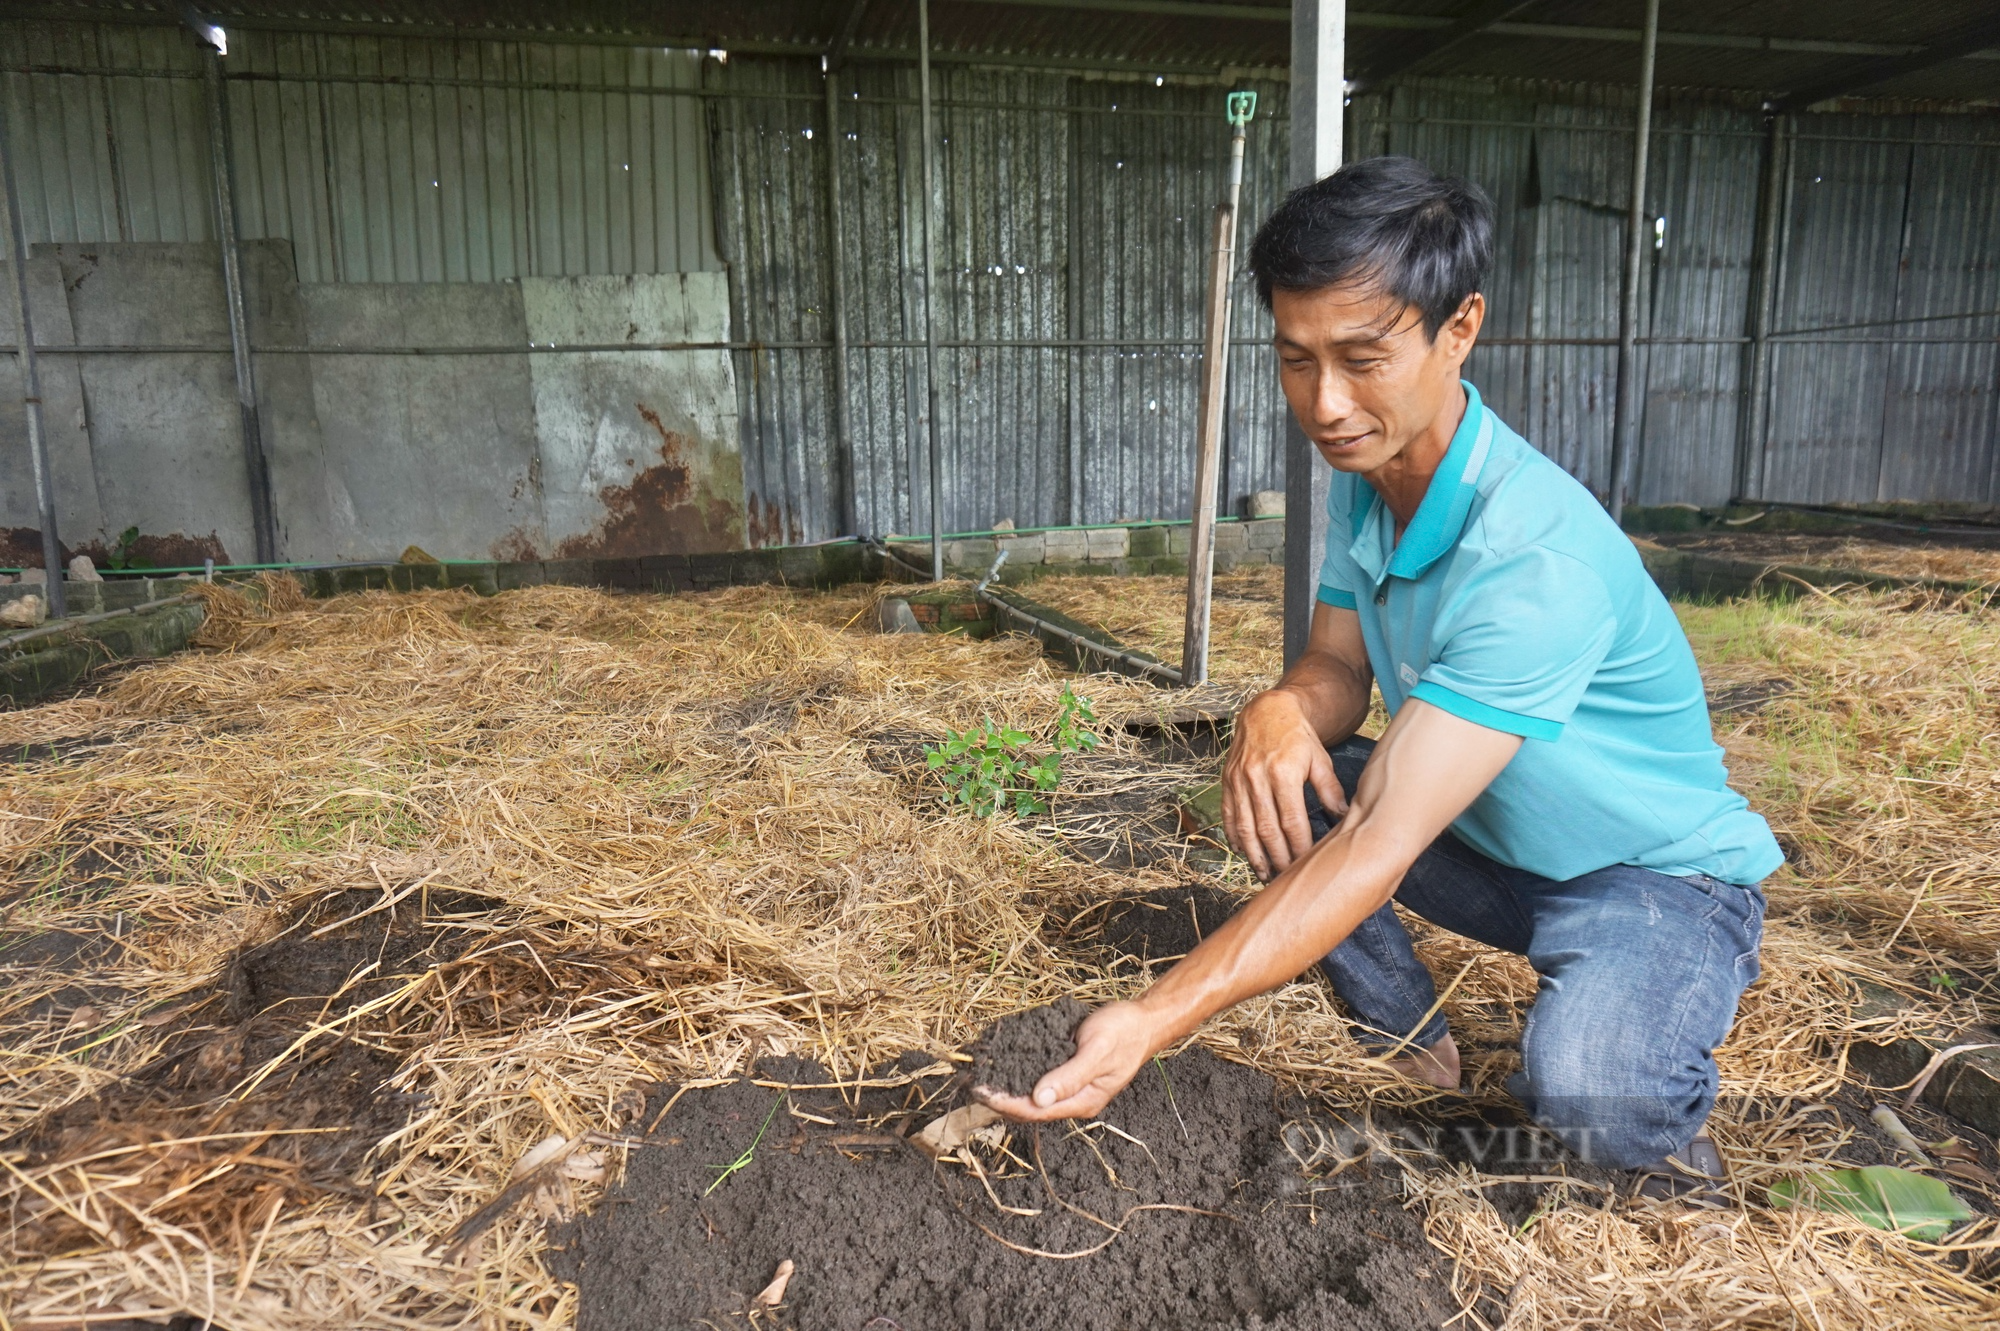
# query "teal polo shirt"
(1514, 602)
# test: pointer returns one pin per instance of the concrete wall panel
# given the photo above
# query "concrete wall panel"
(640, 449)
(435, 450)
(165, 430)
(80, 517)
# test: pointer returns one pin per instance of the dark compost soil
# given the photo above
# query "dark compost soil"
(1017, 1051)
(884, 1239)
(327, 1101)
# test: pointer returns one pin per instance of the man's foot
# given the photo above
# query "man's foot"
(1695, 1177)
(1436, 1066)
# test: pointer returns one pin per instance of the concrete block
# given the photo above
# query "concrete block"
(569, 572)
(124, 594)
(1265, 534)
(1225, 560)
(426, 577)
(1232, 537)
(35, 674)
(709, 571)
(620, 573)
(755, 567)
(1107, 543)
(1147, 542)
(973, 553)
(513, 574)
(802, 566)
(1026, 549)
(1264, 504)
(481, 578)
(1967, 1088)
(1060, 547)
(841, 563)
(65, 658)
(83, 598)
(666, 573)
(1180, 538)
(319, 583)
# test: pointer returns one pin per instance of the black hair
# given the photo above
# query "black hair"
(1392, 222)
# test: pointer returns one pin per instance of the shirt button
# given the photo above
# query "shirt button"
(1382, 594)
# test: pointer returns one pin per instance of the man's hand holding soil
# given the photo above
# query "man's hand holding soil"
(1112, 1044)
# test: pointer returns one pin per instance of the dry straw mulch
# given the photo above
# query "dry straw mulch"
(1913, 559)
(704, 831)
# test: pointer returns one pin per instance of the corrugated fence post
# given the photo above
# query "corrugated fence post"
(1763, 291)
(256, 461)
(843, 413)
(31, 379)
(1213, 403)
(1318, 99)
(930, 287)
(1632, 394)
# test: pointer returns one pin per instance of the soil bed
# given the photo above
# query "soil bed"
(1196, 1204)
(1953, 561)
(302, 1128)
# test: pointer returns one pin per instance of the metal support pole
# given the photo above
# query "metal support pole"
(930, 285)
(256, 462)
(1073, 311)
(31, 379)
(843, 411)
(1763, 293)
(1630, 396)
(1318, 97)
(1208, 431)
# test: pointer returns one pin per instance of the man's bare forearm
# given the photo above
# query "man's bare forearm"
(1428, 767)
(1331, 695)
(1284, 929)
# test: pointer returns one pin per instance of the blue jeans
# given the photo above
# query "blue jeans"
(1640, 973)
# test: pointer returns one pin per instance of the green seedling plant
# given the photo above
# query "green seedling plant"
(990, 768)
(121, 556)
(749, 1155)
(1074, 719)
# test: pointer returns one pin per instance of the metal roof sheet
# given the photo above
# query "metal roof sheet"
(1762, 46)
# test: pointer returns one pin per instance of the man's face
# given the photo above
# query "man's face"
(1359, 373)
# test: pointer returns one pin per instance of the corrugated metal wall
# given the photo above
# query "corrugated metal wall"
(1075, 214)
(1893, 222)
(118, 153)
(380, 159)
(1889, 224)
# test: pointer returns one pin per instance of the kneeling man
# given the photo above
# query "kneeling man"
(1548, 783)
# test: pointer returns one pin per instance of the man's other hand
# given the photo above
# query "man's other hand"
(1273, 754)
(1112, 1044)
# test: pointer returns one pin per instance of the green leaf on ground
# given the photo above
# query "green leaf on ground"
(1885, 1197)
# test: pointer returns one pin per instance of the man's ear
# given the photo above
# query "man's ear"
(1462, 329)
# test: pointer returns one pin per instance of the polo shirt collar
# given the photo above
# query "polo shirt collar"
(1440, 518)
